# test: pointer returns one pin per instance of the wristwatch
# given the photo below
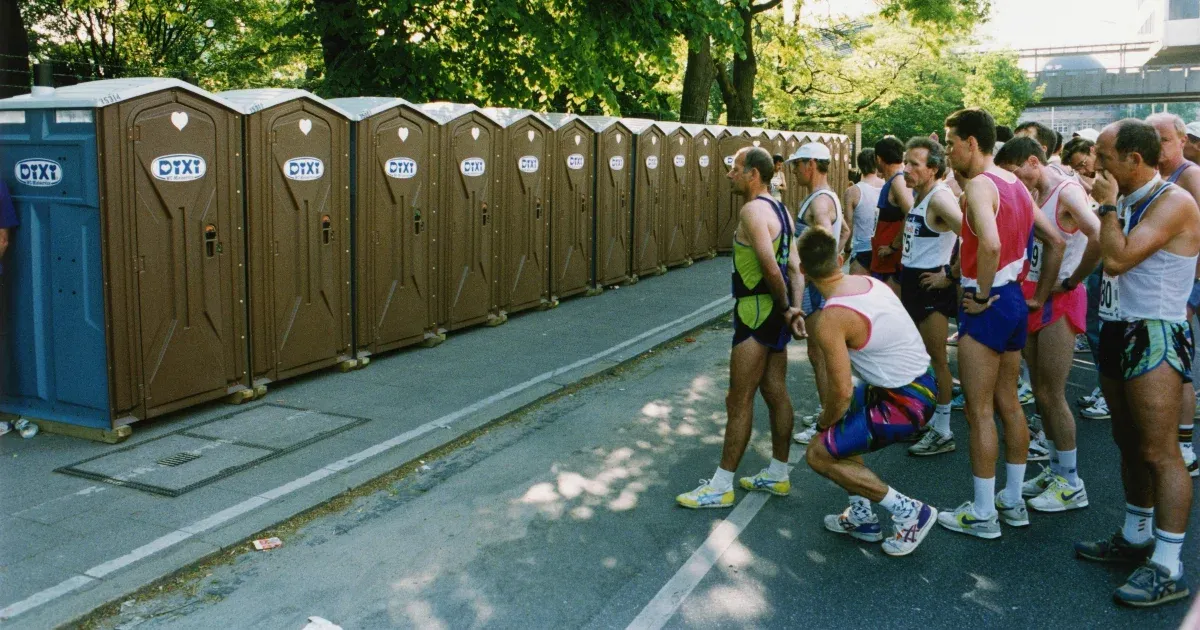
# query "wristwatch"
(1105, 209)
(1067, 285)
(980, 300)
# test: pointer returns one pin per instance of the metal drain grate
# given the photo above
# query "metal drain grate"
(178, 459)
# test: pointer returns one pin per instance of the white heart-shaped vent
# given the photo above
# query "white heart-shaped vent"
(618, 138)
(179, 119)
(653, 140)
(681, 142)
(403, 132)
(706, 142)
(578, 139)
(756, 143)
(474, 133)
(305, 126)
(532, 134)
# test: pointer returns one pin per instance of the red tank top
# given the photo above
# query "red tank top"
(1014, 224)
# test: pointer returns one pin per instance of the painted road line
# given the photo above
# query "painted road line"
(219, 518)
(668, 600)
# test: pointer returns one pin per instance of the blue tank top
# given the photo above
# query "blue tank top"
(889, 211)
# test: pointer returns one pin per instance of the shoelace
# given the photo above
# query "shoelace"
(1144, 578)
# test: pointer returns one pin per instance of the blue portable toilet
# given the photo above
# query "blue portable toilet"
(127, 271)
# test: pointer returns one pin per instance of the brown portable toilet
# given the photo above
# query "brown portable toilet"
(705, 170)
(614, 161)
(471, 146)
(127, 273)
(791, 143)
(572, 206)
(728, 200)
(679, 194)
(393, 187)
(646, 230)
(525, 232)
(298, 232)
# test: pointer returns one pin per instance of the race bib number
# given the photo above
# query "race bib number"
(1110, 298)
(1035, 262)
(910, 232)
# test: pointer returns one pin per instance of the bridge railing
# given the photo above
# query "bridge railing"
(1133, 82)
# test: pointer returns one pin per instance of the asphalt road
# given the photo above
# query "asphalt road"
(565, 518)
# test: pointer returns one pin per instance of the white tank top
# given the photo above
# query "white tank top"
(894, 354)
(838, 219)
(1157, 288)
(925, 247)
(1076, 240)
(865, 212)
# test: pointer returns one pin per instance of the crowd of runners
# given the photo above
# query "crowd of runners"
(1035, 249)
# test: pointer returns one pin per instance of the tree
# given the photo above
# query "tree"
(14, 50)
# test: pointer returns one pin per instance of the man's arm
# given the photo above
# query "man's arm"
(944, 208)
(1052, 254)
(830, 337)
(850, 200)
(1075, 204)
(756, 226)
(797, 280)
(3, 241)
(981, 212)
(1162, 221)
(903, 197)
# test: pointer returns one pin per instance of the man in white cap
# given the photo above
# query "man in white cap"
(1088, 134)
(1191, 149)
(821, 209)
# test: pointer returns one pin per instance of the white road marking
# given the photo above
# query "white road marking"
(169, 540)
(668, 600)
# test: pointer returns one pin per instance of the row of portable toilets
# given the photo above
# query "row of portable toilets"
(178, 246)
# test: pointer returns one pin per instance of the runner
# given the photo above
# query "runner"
(998, 225)
(1053, 327)
(1191, 150)
(1049, 139)
(820, 209)
(778, 181)
(861, 206)
(1149, 249)
(895, 201)
(764, 268)
(864, 329)
(1185, 174)
(927, 288)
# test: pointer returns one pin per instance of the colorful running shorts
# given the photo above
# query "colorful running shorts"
(755, 317)
(1070, 304)
(878, 417)
(1131, 349)
(1003, 326)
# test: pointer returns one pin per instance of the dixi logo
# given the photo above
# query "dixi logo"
(401, 168)
(472, 167)
(616, 162)
(180, 167)
(729, 161)
(528, 164)
(38, 172)
(703, 161)
(652, 161)
(303, 169)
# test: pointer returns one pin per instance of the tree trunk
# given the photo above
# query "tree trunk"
(697, 81)
(14, 50)
(739, 101)
(338, 22)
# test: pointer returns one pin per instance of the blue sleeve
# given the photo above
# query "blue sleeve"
(8, 214)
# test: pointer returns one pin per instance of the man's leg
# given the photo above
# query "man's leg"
(774, 478)
(815, 358)
(1153, 399)
(934, 329)
(1016, 440)
(1054, 351)
(1187, 413)
(979, 368)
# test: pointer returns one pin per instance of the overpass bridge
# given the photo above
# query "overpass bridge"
(1154, 84)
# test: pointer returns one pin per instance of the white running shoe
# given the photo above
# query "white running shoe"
(805, 436)
(1060, 496)
(1090, 399)
(867, 529)
(966, 520)
(1024, 392)
(1189, 460)
(1013, 515)
(1038, 484)
(908, 535)
(811, 419)
(1097, 411)
(1039, 451)
(932, 443)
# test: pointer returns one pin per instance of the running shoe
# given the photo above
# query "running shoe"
(1097, 411)
(805, 436)
(1013, 515)
(1150, 585)
(956, 390)
(1115, 550)
(763, 481)
(1081, 344)
(1060, 496)
(706, 496)
(965, 520)
(932, 443)
(952, 340)
(1039, 451)
(867, 529)
(1024, 391)
(959, 402)
(1038, 484)
(811, 419)
(1090, 399)
(910, 534)
(1189, 460)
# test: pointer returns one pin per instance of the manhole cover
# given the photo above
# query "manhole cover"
(195, 456)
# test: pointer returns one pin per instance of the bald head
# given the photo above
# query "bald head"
(1173, 133)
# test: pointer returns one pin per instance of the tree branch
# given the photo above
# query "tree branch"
(755, 9)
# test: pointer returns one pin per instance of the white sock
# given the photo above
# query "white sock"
(860, 508)
(1014, 477)
(985, 493)
(903, 508)
(1185, 438)
(941, 420)
(777, 470)
(1137, 524)
(1067, 466)
(722, 480)
(1166, 551)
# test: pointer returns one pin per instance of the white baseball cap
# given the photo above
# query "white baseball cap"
(1088, 134)
(811, 151)
(1193, 129)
